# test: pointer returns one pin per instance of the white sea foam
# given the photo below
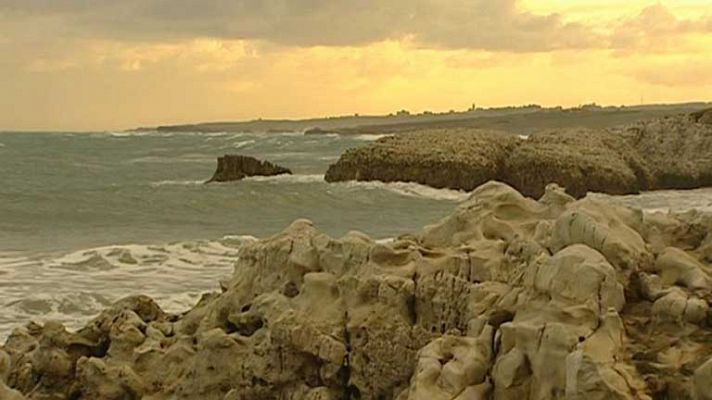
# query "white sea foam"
(176, 183)
(185, 158)
(241, 144)
(412, 190)
(286, 178)
(2, 145)
(665, 200)
(73, 287)
(370, 137)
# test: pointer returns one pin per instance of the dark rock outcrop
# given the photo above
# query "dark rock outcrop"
(703, 117)
(456, 159)
(236, 167)
(581, 161)
(667, 153)
(678, 149)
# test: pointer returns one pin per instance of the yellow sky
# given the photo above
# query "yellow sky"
(73, 68)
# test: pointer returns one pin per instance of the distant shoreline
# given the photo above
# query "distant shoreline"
(505, 118)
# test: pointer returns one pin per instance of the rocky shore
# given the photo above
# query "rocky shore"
(456, 159)
(507, 298)
(667, 153)
(237, 167)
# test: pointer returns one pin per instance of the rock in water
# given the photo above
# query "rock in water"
(454, 159)
(677, 149)
(236, 167)
(508, 298)
(581, 161)
(667, 153)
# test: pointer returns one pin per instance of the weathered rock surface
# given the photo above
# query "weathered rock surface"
(236, 167)
(678, 149)
(507, 298)
(581, 161)
(668, 153)
(704, 116)
(442, 159)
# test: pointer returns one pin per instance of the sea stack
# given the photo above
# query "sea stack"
(237, 167)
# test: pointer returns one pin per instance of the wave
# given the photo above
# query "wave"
(370, 137)
(665, 200)
(176, 183)
(73, 287)
(286, 178)
(411, 189)
(185, 158)
(2, 145)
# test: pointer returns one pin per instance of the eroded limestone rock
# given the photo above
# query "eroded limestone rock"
(507, 298)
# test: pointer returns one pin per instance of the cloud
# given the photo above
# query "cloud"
(656, 27)
(478, 24)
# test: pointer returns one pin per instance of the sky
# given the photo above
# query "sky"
(108, 64)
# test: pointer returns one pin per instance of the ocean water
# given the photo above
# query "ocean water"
(88, 218)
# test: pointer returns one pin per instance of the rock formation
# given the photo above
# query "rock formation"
(677, 149)
(703, 117)
(669, 153)
(507, 298)
(438, 158)
(582, 161)
(236, 167)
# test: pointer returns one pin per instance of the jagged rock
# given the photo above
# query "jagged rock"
(237, 167)
(453, 368)
(442, 159)
(508, 298)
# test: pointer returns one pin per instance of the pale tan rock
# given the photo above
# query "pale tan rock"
(10, 394)
(587, 380)
(677, 306)
(677, 267)
(450, 367)
(507, 298)
(702, 381)
(97, 380)
(619, 243)
(4, 365)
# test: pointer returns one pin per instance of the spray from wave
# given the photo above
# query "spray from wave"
(177, 274)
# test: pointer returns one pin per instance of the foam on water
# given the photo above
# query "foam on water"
(80, 284)
(176, 183)
(410, 189)
(287, 178)
(370, 137)
(666, 200)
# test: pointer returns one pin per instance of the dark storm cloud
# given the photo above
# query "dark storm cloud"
(480, 24)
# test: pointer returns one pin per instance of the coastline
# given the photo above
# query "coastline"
(498, 260)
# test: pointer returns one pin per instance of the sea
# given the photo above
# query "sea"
(89, 218)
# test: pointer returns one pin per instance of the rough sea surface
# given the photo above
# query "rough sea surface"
(89, 218)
